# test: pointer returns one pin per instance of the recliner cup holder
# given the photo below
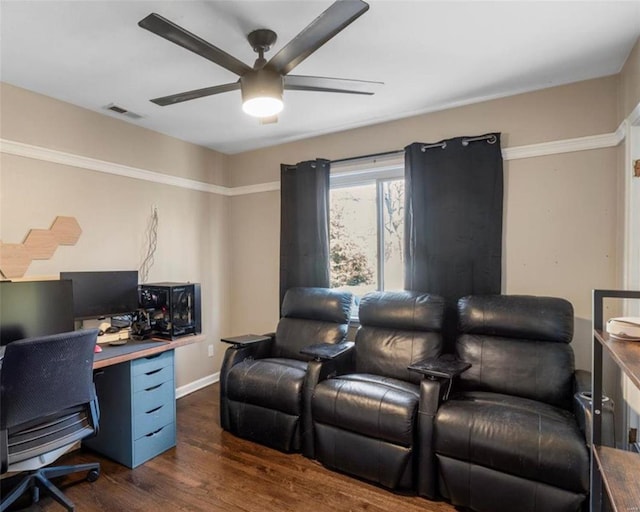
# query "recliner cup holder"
(587, 396)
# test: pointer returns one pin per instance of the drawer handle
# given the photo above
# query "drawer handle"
(154, 410)
(155, 356)
(153, 371)
(153, 387)
(155, 433)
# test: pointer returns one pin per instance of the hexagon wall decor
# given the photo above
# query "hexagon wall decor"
(39, 244)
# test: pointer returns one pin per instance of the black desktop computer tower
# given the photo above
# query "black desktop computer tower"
(172, 309)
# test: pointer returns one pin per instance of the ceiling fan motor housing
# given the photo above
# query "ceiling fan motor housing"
(260, 83)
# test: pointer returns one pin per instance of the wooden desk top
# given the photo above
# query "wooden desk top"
(114, 354)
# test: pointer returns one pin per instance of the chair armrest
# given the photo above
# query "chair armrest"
(327, 351)
(242, 347)
(443, 367)
(582, 410)
(432, 393)
(245, 339)
(440, 367)
(329, 359)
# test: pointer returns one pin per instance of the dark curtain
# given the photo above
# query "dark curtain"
(453, 224)
(304, 225)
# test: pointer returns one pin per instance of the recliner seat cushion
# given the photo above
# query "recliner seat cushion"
(269, 383)
(378, 407)
(515, 435)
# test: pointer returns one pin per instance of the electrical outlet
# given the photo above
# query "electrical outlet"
(210, 350)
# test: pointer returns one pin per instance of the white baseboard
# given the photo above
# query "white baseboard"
(197, 384)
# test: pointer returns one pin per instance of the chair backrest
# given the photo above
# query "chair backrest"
(45, 375)
(396, 330)
(517, 345)
(310, 316)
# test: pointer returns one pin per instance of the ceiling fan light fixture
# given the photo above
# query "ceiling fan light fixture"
(262, 93)
(263, 106)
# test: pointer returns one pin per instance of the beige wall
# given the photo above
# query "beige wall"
(114, 211)
(560, 214)
(585, 108)
(560, 222)
(42, 121)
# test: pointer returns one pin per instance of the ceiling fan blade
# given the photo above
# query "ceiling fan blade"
(320, 83)
(176, 34)
(197, 93)
(336, 18)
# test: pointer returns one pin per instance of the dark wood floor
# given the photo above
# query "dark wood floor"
(212, 470)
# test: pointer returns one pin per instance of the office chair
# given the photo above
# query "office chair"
(47, 404)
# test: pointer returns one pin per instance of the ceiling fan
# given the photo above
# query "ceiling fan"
(262, 85)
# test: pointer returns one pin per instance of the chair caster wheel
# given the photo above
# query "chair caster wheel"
(93, 475)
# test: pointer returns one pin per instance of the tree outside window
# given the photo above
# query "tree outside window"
(366, 238)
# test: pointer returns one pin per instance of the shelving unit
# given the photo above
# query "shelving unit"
(616, 470)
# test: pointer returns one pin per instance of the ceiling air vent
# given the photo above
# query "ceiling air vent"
(122, 111)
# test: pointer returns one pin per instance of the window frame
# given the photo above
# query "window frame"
(368, 175)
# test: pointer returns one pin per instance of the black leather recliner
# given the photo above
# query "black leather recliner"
(265, 387)
(366, 421)
(508, 438)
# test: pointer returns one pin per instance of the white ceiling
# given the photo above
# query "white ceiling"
(430, 55)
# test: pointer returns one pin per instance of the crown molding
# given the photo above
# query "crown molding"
(92, 164)
(634, 118)
(253, 189)
(556, 147)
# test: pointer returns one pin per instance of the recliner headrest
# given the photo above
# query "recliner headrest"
(517, 316)
(412, 311)
(323, 304)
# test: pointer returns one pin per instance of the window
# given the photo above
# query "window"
(366, 232)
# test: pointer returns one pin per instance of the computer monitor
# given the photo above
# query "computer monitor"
(104, 293)
(34, 308)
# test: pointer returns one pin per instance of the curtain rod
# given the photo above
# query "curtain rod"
(491, 139)
(365, 157)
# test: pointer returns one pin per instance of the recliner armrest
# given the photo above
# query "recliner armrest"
(257, 348)
(327, 351)
(329, 359)
(443, 367)
(440, 367)
(245, 339)
(582, 410)
(432, 393)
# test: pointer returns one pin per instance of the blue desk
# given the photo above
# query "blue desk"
(136, 394)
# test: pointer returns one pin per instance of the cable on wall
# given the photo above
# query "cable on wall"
(151, 243)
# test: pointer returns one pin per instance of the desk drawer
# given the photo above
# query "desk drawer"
(152, 397)
(147, 422)
(147, 381)
(154, 444)
(151, 363)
